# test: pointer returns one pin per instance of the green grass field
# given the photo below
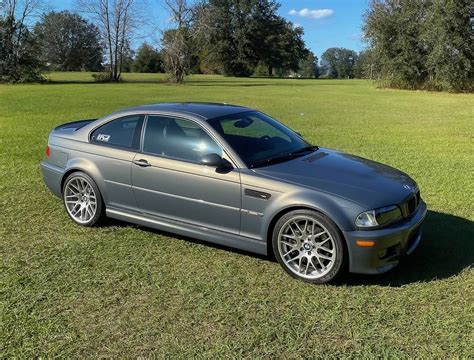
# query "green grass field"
(127, 291)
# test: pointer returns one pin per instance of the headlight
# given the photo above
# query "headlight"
(378, 217)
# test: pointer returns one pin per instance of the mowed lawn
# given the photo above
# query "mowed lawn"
(127, 291)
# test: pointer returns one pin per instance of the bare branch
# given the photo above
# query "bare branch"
(117, 21)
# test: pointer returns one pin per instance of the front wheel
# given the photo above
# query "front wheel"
(82, 199)
(309, 246)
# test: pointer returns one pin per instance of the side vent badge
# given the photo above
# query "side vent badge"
(257, 194)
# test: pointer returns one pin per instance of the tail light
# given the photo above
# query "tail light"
(47, 152)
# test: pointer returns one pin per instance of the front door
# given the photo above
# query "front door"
(168, 180)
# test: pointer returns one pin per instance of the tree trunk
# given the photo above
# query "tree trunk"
(270, 70)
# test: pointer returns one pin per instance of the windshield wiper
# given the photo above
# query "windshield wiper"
(305, 149)
(284, 157)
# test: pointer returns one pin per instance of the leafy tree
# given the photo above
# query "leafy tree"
(147, 60)
(68, 42)
(450, 59)
(241, 34)
(393, 28)
(290, 47)
(225, 31)
(364, 67)
(339, 63)
(308, 67)
(18, 50)
(421, 44)
(266, 28)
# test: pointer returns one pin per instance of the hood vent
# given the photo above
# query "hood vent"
(317, 156)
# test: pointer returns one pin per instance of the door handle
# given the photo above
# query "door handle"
(141, 162)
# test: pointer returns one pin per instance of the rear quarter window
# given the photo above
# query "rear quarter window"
(123, 133)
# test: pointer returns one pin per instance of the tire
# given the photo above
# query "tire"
(309, 246)
(82, 200)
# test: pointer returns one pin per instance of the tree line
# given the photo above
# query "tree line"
(425, 44)
(411, 44)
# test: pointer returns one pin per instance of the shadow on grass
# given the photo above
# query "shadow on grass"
(217, 82)
(260, 82)
(92, 82)
(190, 83)
(119, 223)
(447, 248)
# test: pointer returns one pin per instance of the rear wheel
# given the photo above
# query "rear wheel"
(308, 246)
(82, 200)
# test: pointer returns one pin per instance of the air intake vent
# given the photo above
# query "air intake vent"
(316, 156)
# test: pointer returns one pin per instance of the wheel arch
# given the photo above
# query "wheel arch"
(286, 210)
(87, 167)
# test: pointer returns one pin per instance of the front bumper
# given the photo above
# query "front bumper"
(391, 243)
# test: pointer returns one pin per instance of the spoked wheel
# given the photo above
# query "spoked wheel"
(308, 246)
(82, 199)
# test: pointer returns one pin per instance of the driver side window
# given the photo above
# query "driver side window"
(178, 139)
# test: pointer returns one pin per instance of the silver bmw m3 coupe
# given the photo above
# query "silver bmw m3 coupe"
(234, 176)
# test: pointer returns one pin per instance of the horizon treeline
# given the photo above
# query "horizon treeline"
(412, 45)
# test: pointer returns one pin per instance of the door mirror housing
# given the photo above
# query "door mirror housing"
(212, 160)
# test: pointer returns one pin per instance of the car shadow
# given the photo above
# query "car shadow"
(253, 81)
(120, 223)
(447, 248)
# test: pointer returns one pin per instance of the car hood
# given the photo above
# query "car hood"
(359, 180)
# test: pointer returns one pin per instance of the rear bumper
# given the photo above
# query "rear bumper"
(391, 244)
(52, 176)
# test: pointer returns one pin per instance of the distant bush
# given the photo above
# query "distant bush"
(147, 60)
(102, 77)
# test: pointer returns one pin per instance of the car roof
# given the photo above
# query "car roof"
(203, 110)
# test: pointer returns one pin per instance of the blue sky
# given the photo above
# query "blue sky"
(327, 23)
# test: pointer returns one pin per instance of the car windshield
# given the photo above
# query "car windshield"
(260, 140)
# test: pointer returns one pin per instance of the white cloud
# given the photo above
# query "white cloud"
(355, 36)
(313, 14)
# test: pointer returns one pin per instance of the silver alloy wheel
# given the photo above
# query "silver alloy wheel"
(306, 247)
(80, 199)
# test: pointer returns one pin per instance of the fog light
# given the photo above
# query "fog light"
(382, 253)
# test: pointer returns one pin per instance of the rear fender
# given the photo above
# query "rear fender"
(87, 166)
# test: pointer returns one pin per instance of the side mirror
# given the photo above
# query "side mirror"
(212, 160)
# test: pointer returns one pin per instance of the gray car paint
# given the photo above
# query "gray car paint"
(195, 200)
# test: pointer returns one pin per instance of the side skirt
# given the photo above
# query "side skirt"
(198, 232)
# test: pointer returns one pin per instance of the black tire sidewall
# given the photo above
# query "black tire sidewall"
(341, 252)
(99, 214)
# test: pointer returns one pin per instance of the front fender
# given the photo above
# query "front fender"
(339, 210)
